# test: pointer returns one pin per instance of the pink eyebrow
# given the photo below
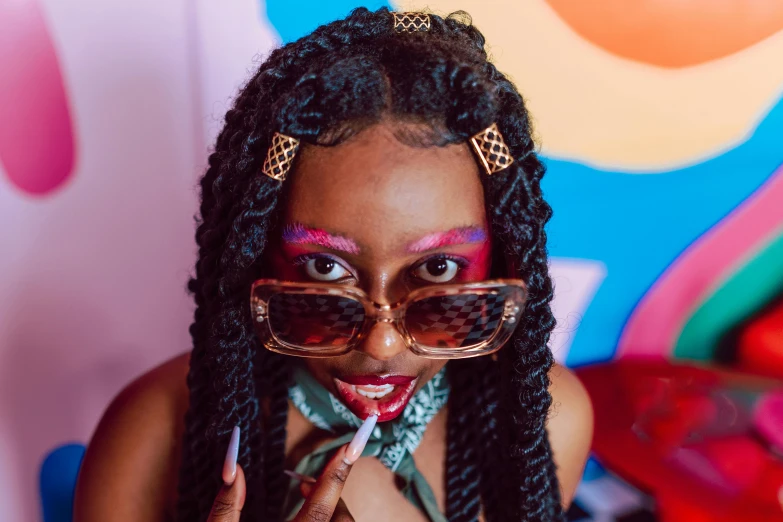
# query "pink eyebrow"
(455, 236)
(299, 234)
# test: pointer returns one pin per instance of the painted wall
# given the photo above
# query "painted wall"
(661, 125)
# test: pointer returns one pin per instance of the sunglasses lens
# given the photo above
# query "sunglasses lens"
(455, 321)
(315, 321)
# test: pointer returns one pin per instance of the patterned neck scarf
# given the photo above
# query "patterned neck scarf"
(393, 442)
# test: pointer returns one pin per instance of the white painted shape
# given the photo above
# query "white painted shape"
(609, 496)
(576, 282)
(233, 39)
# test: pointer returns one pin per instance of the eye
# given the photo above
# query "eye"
(326, 269)
(437, 270)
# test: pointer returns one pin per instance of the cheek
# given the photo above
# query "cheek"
(434, 366)
(282, 267)
(478, 265)
(319, 368)
(283, 270)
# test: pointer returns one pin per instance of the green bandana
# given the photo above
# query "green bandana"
(393, 442)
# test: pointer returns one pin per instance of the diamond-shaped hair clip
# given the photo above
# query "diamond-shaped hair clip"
(280, 156)
(411, 22)
(492, 150)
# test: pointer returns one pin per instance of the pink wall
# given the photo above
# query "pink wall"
(93, 273)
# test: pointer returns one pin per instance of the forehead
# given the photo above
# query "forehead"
(383, 193)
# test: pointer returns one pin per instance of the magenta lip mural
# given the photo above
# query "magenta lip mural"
(36, 137)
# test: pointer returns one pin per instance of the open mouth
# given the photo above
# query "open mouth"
(367, 395)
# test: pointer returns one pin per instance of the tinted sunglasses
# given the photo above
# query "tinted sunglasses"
(437, 322)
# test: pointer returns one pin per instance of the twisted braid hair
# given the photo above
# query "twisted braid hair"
(322, 89)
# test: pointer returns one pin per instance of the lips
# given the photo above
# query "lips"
(385, 396)
(377, 380)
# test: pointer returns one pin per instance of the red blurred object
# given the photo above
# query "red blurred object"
(768, 417)
(687, 435)
(760, 347)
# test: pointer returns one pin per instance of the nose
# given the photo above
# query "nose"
(383, 342)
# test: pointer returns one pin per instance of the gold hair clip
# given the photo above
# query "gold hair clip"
(492, 150)
(280, 156)
(411, 22)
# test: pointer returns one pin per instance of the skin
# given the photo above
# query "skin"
(408, 194)
(384, 197)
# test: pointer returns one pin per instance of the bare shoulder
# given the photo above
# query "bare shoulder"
(130, 468)
(570, 428)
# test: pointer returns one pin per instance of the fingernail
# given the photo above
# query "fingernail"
(298, 476)
(230, 464)
(359, 441)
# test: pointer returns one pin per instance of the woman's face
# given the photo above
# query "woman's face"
(387, 218)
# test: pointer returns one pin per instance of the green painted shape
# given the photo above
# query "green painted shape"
(753, 285)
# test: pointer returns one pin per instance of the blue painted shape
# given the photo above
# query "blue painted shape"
(58, 481)
(593, 470)
(293, 20)
(638, 224)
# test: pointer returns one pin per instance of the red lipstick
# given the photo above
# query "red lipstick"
(376, 380)
(385, 396)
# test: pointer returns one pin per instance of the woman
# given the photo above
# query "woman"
(361, 164)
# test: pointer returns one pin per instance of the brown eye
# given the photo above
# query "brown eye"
(323, 266)
(437, 270)
(437, 267)
(325, 269)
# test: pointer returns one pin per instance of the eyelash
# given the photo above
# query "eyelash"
(304, 258)
(460, 261)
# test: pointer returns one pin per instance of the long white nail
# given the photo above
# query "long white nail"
(230, 464)
(298, 476)
(359, 441)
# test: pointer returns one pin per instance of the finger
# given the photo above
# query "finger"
(227, 507)
(305, 488)
(341, 512)
(320, 504)
(230, 500)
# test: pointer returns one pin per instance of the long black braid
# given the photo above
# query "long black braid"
(322, 89)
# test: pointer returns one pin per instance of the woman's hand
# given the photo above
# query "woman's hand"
(229, 501)
(322, 499)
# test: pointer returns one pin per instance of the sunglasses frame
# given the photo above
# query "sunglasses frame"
(263, 290)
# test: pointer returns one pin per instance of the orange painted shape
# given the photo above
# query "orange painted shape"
(672, 33)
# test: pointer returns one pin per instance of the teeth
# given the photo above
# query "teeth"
(373, 392)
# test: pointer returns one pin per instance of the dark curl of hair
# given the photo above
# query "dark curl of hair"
(322, 89)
